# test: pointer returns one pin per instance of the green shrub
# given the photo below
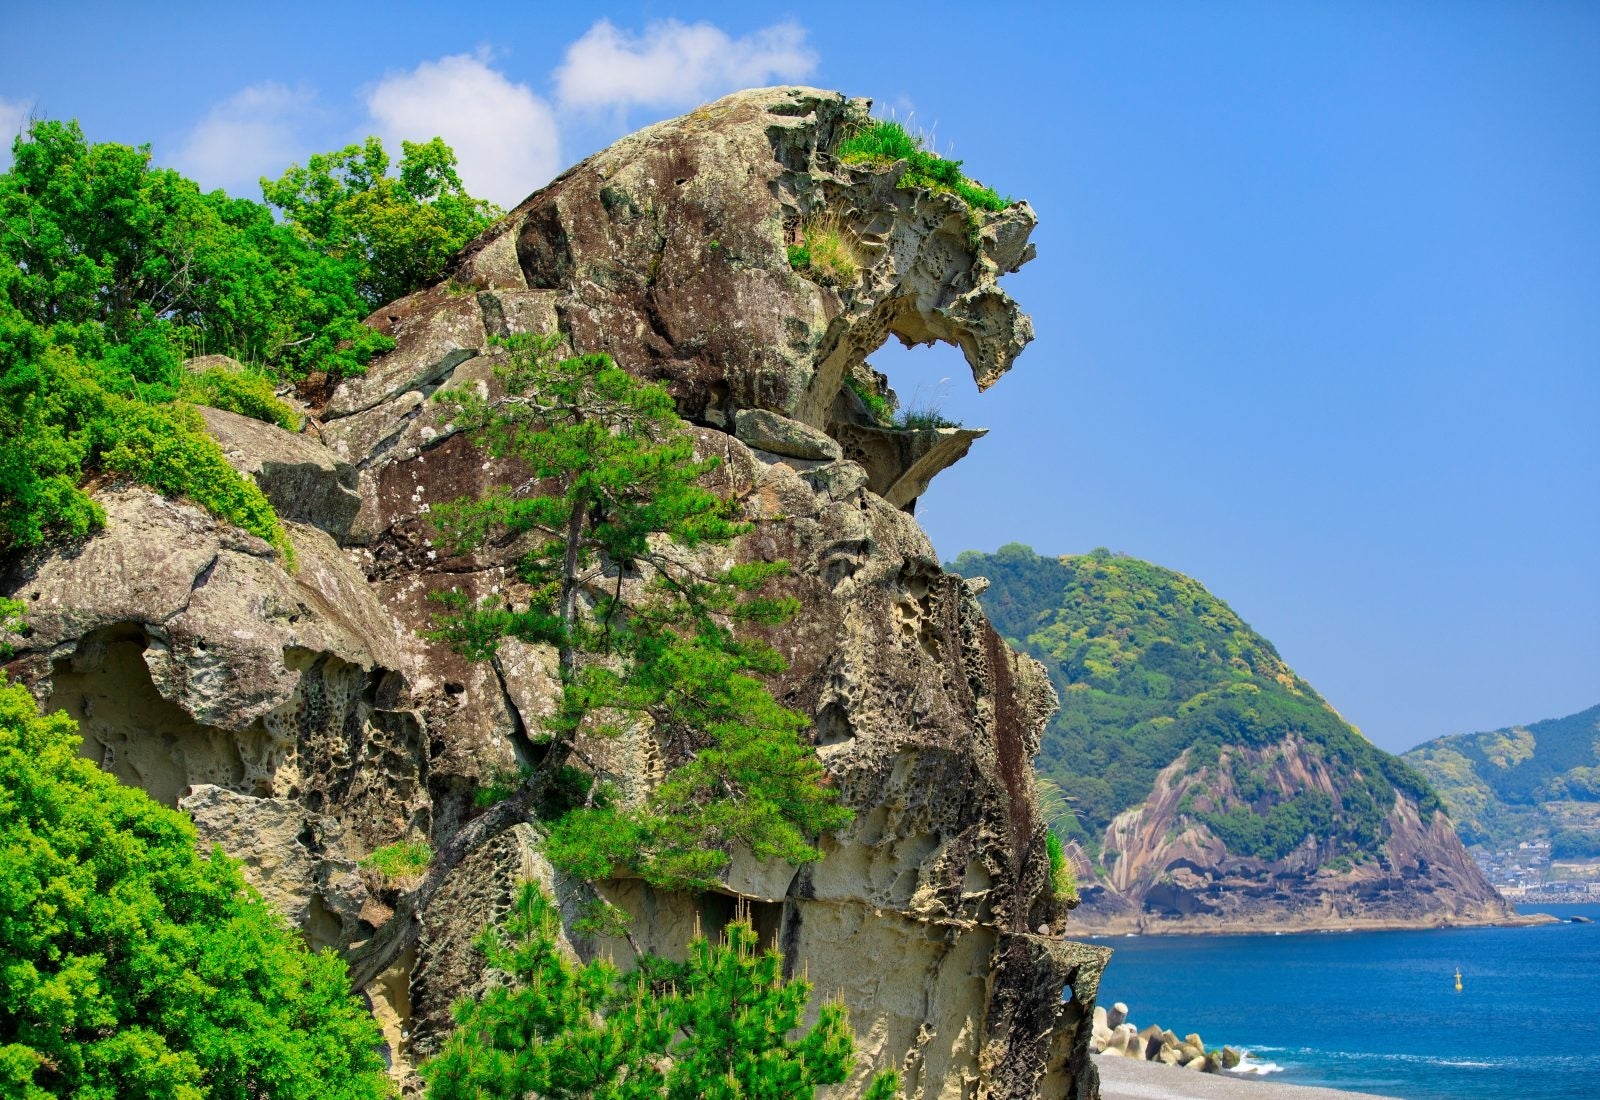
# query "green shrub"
(723, 1025)
(914, 417)
(59, 423)
(167, 448)
(884, 142)
(13, 622)
(247, 393)
(133, 966)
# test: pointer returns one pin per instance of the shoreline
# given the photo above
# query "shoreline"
(1129, 1079)
(1117, 929)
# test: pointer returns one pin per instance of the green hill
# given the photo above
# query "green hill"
(1535, 782)
(1148, 665)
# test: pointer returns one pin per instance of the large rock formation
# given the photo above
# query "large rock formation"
(1167, 871)
(303, 719)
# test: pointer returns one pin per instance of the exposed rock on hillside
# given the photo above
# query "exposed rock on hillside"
(304, 721)
(1202, 784)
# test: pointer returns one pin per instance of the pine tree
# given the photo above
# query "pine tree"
(716, 1027)
(646, 637)
(133, 966)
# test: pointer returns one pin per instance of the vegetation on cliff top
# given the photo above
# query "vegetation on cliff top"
(1522, 783)
(132, 966)
(113, 271)
(1149, 665)
(884, 142)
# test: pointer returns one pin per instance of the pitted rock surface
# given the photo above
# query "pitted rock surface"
(304, 719)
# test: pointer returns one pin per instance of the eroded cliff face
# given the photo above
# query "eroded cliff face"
(303, 719)
(1166, 871)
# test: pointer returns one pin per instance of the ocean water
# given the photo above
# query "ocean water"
(1378, 1011)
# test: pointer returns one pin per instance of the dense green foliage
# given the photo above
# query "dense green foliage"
(113, 271)
(617, 479)
(1148, 664)
(131, 967)
(716, 1027)
(59, 423)
(884, 142)
(13, 621)
(1520, 783)
(1575, 844)
(393, 232)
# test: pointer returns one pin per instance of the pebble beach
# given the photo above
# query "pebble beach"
(1127, 1079)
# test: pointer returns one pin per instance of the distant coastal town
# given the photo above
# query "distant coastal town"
(1527, 873)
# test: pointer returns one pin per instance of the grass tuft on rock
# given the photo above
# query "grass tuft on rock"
(883, 142)
(401, 861)
(827, 253)
(1063, 880)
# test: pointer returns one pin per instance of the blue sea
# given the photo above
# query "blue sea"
(1378, 1011)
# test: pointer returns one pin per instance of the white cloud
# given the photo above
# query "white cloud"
(505, 137)
(255, 132)
(14, 115)
(674, 64)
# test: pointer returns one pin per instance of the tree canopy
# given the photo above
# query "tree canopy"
(394, 232)
(114, 271)
(716, 1027)
(619, 495)
(131, 967)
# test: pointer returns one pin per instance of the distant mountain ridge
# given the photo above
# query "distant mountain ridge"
(1522, 783)
(1203, 781)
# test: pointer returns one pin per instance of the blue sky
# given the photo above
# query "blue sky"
(1317, 295)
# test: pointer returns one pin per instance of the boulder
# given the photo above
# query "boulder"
(303, 479)
(767, 431)
(1230, 1058)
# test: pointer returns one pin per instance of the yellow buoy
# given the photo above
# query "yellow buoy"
(1458, 979)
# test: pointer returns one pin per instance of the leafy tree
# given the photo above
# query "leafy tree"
(132, 967)
(645, 636)
(714, 1028)
(135, 266)
(396, 231)
(112, 271)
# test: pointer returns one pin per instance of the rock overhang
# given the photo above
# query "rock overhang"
(670, 251)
